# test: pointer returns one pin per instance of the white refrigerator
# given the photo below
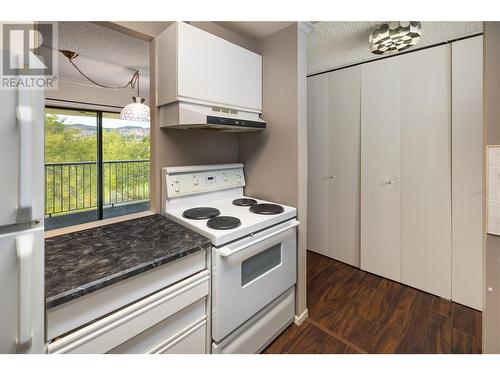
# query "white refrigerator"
(22, 300)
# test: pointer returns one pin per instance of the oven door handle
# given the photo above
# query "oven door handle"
(226, 251)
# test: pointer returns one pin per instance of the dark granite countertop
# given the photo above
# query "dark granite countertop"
(80, 263)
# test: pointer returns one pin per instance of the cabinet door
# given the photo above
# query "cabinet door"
(201, 65)
(344, 103)
(243, 78)
(381, 167)
(318, 164)
(467, 171)
(426, 124)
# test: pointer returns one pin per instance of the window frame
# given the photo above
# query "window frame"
(99, 165)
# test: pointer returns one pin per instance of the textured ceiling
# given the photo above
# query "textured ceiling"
(107, 56)
(335, 44)
(253, 30)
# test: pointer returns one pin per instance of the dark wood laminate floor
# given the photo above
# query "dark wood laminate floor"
(352, 311)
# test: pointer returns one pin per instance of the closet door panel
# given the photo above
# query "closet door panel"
(426, 170)
(467, 172)
(318, 164)
(345, 98)
(381, 167)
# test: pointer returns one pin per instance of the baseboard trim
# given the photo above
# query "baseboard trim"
(299, 319)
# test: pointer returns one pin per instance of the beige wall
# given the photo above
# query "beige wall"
(275, 164)
(491, 315)
(270, 156)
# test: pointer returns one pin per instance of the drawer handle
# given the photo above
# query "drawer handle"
(226, 251)
(173, 340)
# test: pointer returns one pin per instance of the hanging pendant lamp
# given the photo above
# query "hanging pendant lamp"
(137, 110)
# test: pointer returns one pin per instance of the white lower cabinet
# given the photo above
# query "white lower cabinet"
(183, 332)
(189, 341)
(172, 320)
(72, 315)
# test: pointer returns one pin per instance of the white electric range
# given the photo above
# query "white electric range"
(254, 252)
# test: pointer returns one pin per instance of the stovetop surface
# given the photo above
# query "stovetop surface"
(250, 222)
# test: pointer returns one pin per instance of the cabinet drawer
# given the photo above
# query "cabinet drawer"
(83, 310)
(190, 341)
(168, 332)
(118, 328)
(253, 336)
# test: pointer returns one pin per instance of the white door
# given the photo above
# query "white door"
(22, 290)
(344, 104)
(467, 171)
(318, 150)
(243, 78)
(426, 114)
(381, 168)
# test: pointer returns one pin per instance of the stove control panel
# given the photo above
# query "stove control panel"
(179, 182)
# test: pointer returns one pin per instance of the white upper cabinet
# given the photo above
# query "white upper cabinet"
(196, 66)
(243, 72)
(201, 65)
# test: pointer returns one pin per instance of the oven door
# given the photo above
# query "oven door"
(249, 274)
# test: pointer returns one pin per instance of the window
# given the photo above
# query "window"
(96, 166)
(254, 267)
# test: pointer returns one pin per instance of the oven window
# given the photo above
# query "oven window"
(259, 264)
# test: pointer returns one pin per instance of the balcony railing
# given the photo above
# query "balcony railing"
(71, 187)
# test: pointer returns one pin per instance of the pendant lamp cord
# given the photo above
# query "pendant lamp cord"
(134, 81)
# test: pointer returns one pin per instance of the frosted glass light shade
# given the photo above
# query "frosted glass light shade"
(135, 111)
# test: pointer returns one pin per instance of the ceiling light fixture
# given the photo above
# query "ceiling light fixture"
(395, 36)
(135, 111)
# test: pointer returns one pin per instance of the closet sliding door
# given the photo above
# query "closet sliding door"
(426, 170)
(381, 167)
(467, 164)
(318, 148)
(345, 138)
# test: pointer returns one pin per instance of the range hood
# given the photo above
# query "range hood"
(206, 82)
(189, 115)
